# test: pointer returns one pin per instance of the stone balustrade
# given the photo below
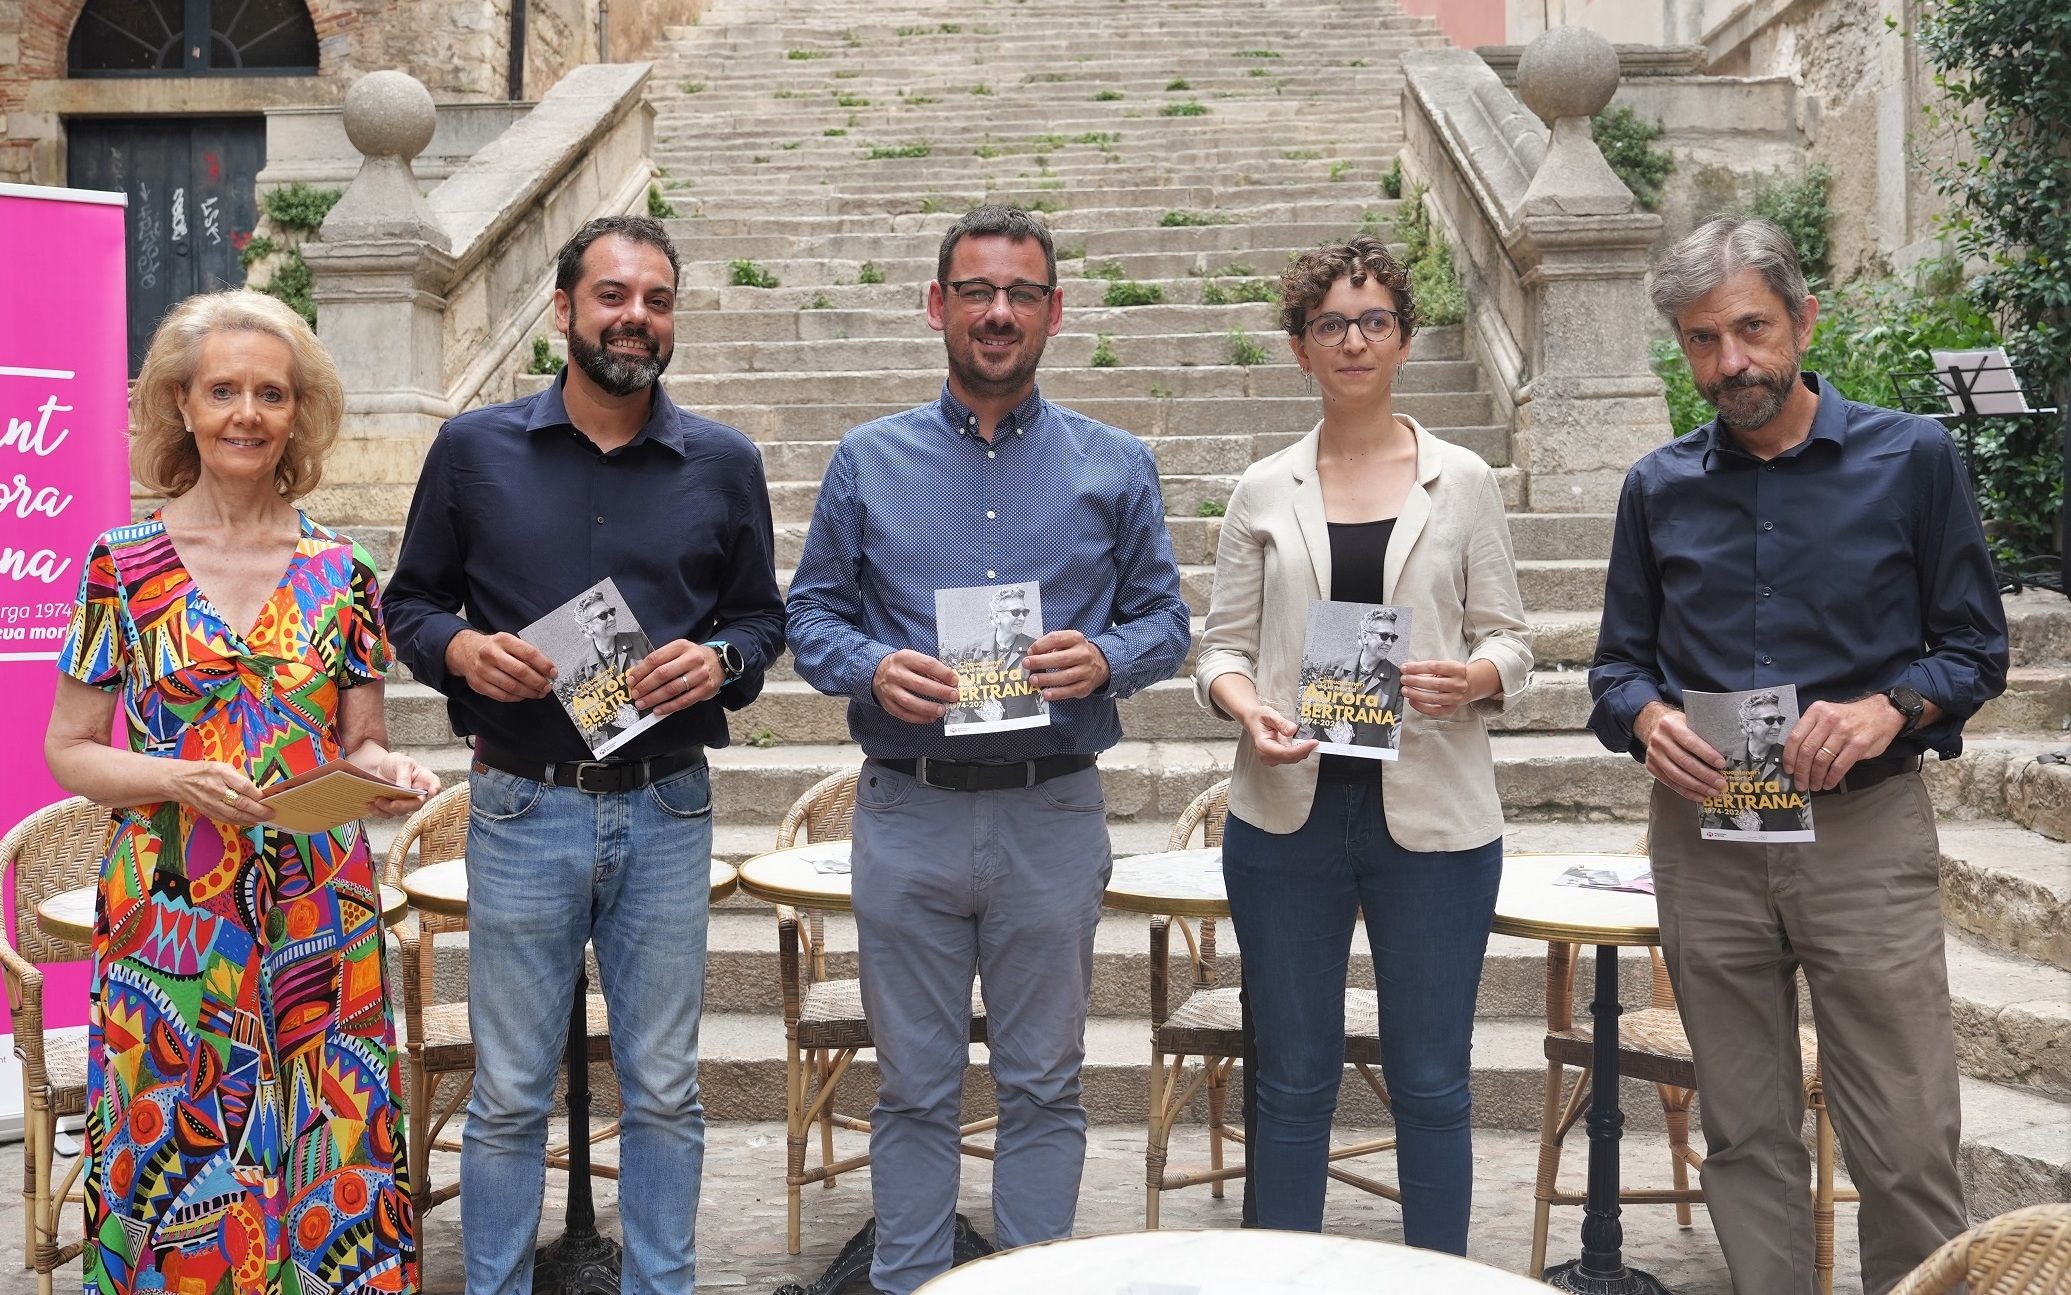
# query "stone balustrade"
(1553, 252)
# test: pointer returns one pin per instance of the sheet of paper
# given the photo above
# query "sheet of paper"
(329, 796)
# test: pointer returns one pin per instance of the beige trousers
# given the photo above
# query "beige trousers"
(1859, 910)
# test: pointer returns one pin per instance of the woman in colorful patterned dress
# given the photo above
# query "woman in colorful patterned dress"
(244, 1116)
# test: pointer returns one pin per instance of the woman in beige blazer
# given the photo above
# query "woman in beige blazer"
(1367, 508)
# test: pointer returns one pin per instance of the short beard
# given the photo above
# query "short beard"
(977, 382)
(621, 375)
(1776, 393)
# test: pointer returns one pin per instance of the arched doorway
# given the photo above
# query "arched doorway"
(189, 179)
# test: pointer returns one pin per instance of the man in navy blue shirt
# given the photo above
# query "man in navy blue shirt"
(1802, 538)
(520, 508)
(982, 854)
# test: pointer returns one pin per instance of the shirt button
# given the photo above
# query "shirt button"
(991, 575)
(1766, 591)
(989, 514)
(1768, 526)
(1765, 661)
(600, 519)
(991, 455)
(1768, 467)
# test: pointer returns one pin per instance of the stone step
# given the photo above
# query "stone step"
(878, 198)
(1161, 267)
(2009, 888)
(1069, 228)
(1068, 351)
(2038, 797)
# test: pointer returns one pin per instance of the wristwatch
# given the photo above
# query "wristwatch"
(1909, 703)
(729, 659)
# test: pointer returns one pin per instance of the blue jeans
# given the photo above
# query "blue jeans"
(550, 869)
(1294, 899)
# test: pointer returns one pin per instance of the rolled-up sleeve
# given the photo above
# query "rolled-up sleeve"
(1962, 615)
(1626, 674)
(1229, 640)
(826, 603)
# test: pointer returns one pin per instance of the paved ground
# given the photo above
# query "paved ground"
(741, 1220)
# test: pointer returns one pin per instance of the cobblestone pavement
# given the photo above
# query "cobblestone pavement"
(741, 1219)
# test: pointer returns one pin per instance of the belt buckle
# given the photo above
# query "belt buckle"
(1029, 766)
(582, 767)
(920, 772)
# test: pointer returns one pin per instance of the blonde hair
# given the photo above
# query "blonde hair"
(163, 457)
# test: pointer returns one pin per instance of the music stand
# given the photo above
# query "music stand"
(1979, 386)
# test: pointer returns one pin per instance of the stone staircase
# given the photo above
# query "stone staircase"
(1190, 147)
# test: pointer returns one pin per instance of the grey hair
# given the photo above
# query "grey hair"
(1754, 702)
(1714, 252)
(1001, 221)
(1377, 615)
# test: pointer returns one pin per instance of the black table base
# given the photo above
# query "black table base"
(850, 1270)
(583, 1261)
(1601, 1270)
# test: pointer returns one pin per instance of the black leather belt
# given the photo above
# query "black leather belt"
(1866, 774)
(956, 775)
(597, 777)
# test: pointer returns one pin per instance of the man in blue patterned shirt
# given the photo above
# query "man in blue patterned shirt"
(984, 854)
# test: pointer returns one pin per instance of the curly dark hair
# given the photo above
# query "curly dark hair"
(1308, 279)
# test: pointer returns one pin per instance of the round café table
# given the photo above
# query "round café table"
(1532, 904)
(1231, 1261)
(68, 915)
(582, 1261)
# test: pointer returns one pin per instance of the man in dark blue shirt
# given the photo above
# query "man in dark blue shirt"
(984, 853)
(1802, 538)
(521, 507)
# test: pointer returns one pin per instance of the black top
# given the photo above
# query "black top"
(1357, 552)
(516, 512)
(1850, 563)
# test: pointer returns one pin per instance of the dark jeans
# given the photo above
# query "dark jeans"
(1294, 899)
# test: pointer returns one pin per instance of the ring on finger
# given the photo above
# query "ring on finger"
(230, 794)
(1827, 753)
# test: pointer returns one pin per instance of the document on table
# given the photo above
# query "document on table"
(330, 795)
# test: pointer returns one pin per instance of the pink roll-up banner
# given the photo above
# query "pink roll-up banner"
(64, 474)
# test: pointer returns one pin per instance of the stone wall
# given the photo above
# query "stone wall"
(459, 49)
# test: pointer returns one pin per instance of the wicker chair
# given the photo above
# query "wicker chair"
(1210, 1025)
(824, 1025)
(1653, 1046)
(437, 1041)
(2024, 1252)
(57, 848)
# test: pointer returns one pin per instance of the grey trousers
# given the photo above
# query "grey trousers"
(1005, 885)
(1860, 910)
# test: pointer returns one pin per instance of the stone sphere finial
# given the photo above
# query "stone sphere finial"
(1567, 72)
(389, 114)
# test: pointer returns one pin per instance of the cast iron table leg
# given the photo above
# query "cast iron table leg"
(850, 1270)
(582, 1262)
(1601, 1270)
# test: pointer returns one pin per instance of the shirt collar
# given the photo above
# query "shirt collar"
(964, 422)
(1829, 423)
(662, 426)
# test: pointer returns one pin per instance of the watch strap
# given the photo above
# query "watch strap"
(729, 659)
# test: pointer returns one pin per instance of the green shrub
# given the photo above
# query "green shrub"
(256, 249)
(293, 283)
(1178, 83)
(820, 301)
(1184, 108)
(1339, 170)
(835, 132)
(1106, 96)
(1301, 155)
(1433, 280)
(1128, 292)
(1257, 53)
(1628, 145)
(1243, 350)
(846, 100)
(1391, 179)
(1159, 391)
(879, 152)
(1110, 270)
(1797, 202)
(543, 358)
(1104, 356)
(744, 273)
(869, 273)
(1178, 219)
(658, 206)
(298, 207)
(802, 55)
(692, 87)
(1210, 508)
(981, 89)
(1073, 253)
(1217, 293)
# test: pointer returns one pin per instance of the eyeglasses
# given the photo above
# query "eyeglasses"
(1766, 721)
(1015, 613)
(978, 294)
(1376, 325)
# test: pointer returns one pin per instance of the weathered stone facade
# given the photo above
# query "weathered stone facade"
(459, 49)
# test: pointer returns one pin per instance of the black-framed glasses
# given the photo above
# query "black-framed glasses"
(1376, 325)
(978, 294)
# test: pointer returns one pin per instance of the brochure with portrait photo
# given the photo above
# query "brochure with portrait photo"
(1761, 804)
(983, 633)
(1351, 679)
(1637, 876)
(594, 642)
